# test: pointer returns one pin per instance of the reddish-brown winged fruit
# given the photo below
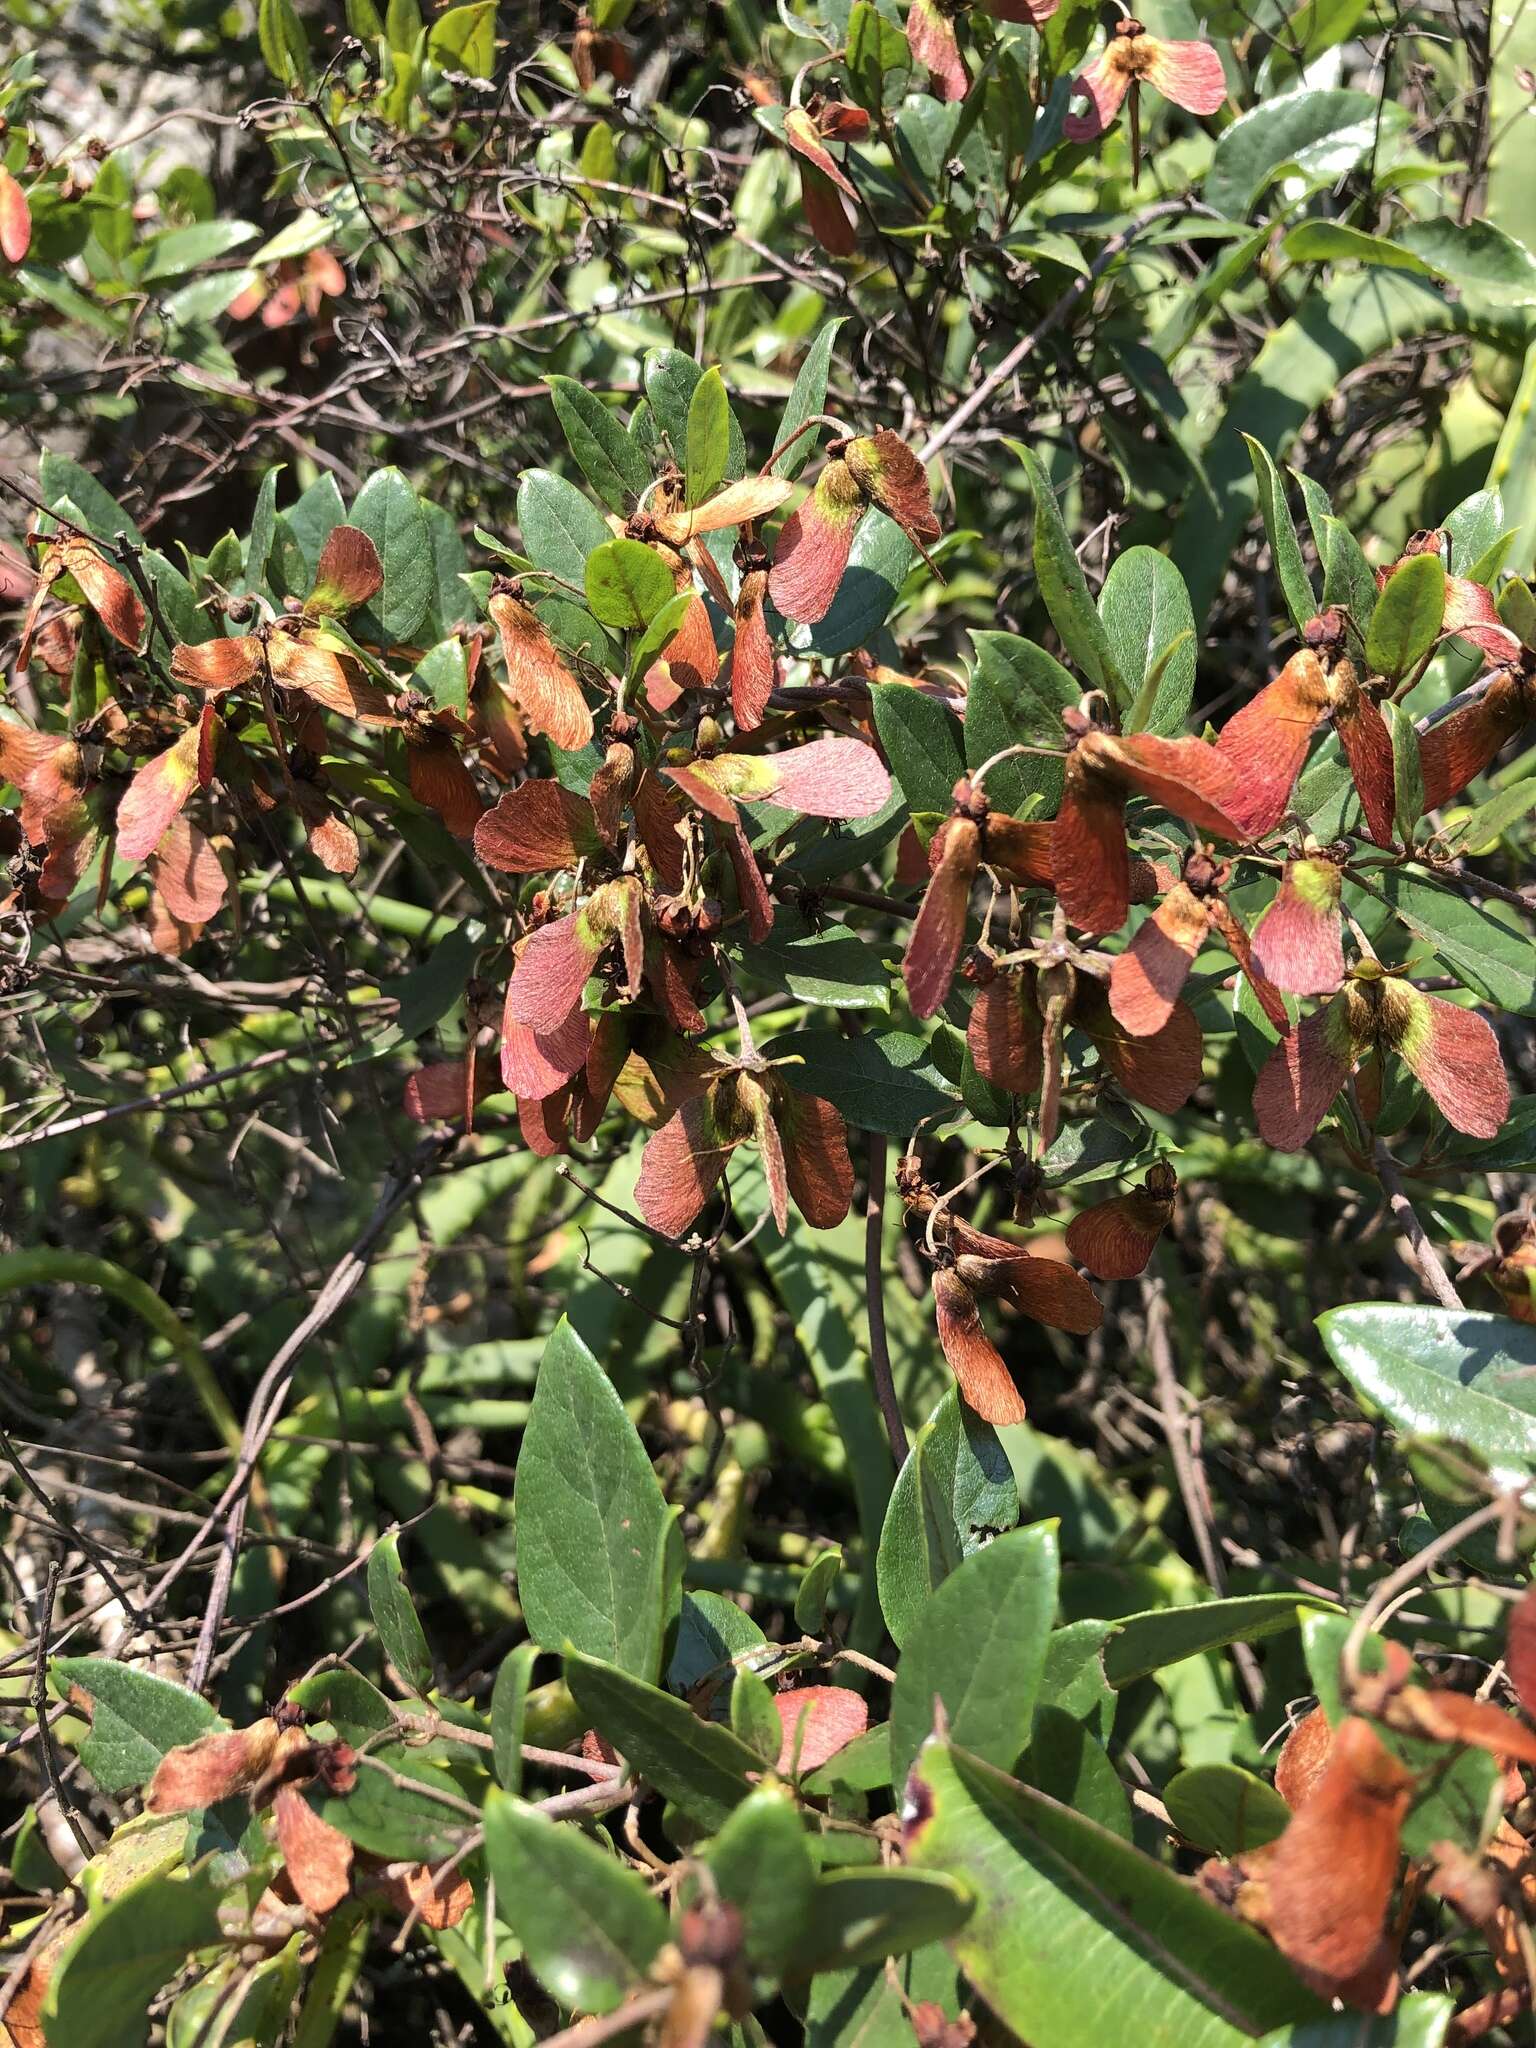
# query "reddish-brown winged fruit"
(1298, 941)
(985, 1384)
(15, 220)
(818, 1721)
(543, 688)
(1303, 1758)
(814, 544)
(1190, 74)
(1330, 1876)
(934, 45)
(1115, 1239)
(1266, 742)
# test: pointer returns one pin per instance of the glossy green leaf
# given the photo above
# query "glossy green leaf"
(1146, 612)
(354, 1708)
(442, 675)
(592, 1525)
(611, 461)
(922, 744)
(1143, 1643)
(659, 633)
(1225, 1809)
(881, 1080)
(395, 1617)
(135, 1718)
(761, 1863)
(1322, 133)
(670, 379)
(103, 1986)
(1284, 547)
(808, 393)
(588, 1925)
(1434, 1372)
(955, 1491)
(1407, 771)
(861, 1916)
(560, 526)
(1016, 697)
(1475, 254)
(1067, 1760)
(60, 477)
(464, 39)
(1479, 830)
(1069, 1916)
(699, 1765)
(509, 1700)
(1419, 2021)
(627, 583)
(811, 1598)
(979, 1647)
(708, 436)
(833, 967)
(284, 45)
(1493, 958)
(1330, 241)
(394, 1810)
(1406, 622)
(754, 1719)
(1064, 588)
(386, 510)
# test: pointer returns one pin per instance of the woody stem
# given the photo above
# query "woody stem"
(874, 1284)
(1425, 1257)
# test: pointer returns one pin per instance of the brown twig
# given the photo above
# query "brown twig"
(874, 1298)
(1422, 1252)
(1191, 1480)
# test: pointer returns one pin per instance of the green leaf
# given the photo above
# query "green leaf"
(754, 1719)
(1225, 1809)
(808, 394)
(284, 45)
(1067, 1760)
(107, 1979)
(1016, 697)
(812, 1593)
(442, 675)
(876, 50)
(1419, 2021)
(670, 380)
(592, 1524)
(386, 510)
(834, 967)
(313, 518)
(1491, 957)
(711, 1630)
(700, 1765)
(1476, 254)
(59, 477)
(613, 464)
(1143, 1643)
(1329, 241)
(1407, 771)
(1290, 569)
(354, 1708)
(922, 744)
(627, 583)
(179, 250)
(391, 1810)
(979, 1647)
(861, 1916)
(1448, 1373)
(135, 1718)
(559, 524)
(1146, 612)
(1323, 134)
(464, 39)
(1064, 1909)
(1064, 588)
(880, 1081)
(1481, 828)
(1300, 367)
(878, 563)
(708, 436)
(953, 1493)
(509, 1699)
(402, 25)
(653, 642)
(395, 1617)
(761, 1863)
(1406, 622)
(1512, 1151)
(587, 1924)
(1073, 1679)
